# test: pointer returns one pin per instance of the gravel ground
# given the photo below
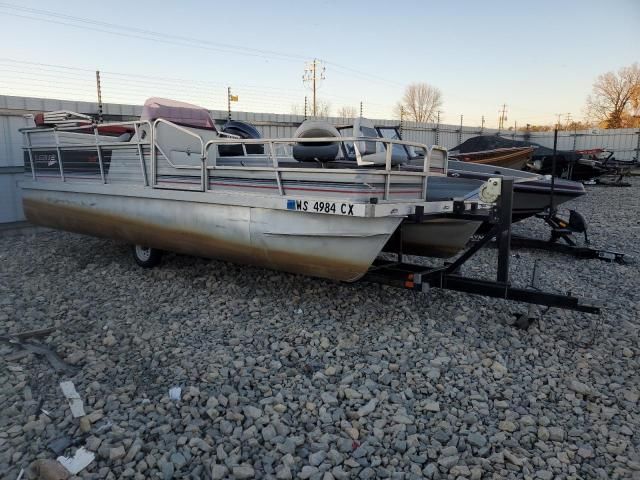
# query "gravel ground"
(284, 376)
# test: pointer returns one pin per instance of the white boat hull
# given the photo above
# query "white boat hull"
(328, 246)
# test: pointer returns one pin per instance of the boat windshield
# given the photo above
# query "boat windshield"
(398, 150)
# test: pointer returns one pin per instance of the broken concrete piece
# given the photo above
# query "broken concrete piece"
(175, 393)
(75, 402)
(79, 461)
(45, 469)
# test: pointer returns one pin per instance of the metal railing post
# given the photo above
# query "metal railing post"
(426, 168)
(203, 176)
(274, 160)
(152, 141)
(59, 153)
(143, 166)
(387, 167)
(33, 166)
(95, 133)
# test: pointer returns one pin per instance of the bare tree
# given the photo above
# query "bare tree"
(420, 102)
(614, 98)
(347, 112)
(323, 108)
(297, 109)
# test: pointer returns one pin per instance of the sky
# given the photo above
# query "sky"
(539, 58)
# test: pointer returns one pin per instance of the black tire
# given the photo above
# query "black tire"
(146, 257)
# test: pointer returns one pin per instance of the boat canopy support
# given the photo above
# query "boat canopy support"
(420, 277)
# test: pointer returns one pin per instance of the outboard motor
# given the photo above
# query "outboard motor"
(316, 151)
(240, 130)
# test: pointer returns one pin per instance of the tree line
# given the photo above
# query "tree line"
(613, 103)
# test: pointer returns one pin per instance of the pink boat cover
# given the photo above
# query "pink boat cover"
(177, 112)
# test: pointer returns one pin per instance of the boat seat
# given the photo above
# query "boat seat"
(370, 152)
(316, 151)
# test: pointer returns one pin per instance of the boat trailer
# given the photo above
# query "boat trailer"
(562, 239)
(419, 277)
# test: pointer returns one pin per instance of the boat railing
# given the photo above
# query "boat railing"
(136, 147)
(387, 172)
(144, 149)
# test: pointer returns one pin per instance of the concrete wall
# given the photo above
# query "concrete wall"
(625, 142)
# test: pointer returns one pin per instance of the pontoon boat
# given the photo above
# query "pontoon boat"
(173, 181)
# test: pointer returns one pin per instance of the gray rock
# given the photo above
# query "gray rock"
(117, 453)
(430, 470)
(268, 433)
(556, 434)
(477, 440)
(368, 408)
(166, 468)
(329, 398)
(317, 458)
(507, 426)
(307, 472)
(579, 387)
(219, 472)
(367, 473)
(448, 462)
(178, 459)
(252, 412)
(544, 475)
(431, 406)
(284, 473)
(243, 471)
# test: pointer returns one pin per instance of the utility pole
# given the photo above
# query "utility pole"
(401, 119)
(313, 74)
(460, 131)
(99, 96)
(558, 122)
(438, 127)
(360, 109)
(305, 107)
(503, 116)
(568, 120)
(482, 127)
(230, 98)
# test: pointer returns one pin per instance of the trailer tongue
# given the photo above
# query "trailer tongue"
(415, 276)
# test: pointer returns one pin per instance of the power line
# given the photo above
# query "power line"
(126, 30)
(138, 33)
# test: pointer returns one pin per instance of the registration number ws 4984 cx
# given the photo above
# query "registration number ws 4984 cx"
(337, 208)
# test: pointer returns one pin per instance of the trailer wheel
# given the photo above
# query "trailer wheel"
(146, 257)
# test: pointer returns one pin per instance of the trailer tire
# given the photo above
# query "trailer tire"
(146, 257)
